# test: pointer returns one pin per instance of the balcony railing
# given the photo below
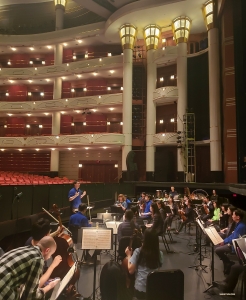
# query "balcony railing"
(165, 95)
(62, 140)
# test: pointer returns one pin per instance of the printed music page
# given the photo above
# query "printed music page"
(213, 235)
(93, 239)
(113, 225)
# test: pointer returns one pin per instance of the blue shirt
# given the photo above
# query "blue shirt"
(79, 220)
(142, 271)
(76, 201)
(147, 206)
(240, 229)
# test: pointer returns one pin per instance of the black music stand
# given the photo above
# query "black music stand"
(215, 239)
(200, 230)
(96, 239)
(114, 225)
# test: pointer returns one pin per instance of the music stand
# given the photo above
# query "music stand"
(215, 239)
(240, 249)
(62, 284)
(114, 225)
(96, 239)
(202, 229)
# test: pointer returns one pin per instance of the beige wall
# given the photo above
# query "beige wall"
(69, 160)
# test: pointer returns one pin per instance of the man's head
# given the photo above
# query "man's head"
(47, 246)
(147, 197)
(82, 208)
(40, 229)
(172, 188)
(214, 192)
(237, 215)
(143, 194)
(76, 184)
(129, 215)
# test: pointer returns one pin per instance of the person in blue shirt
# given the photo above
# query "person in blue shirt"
(226, 246)
(79, 219)
(75, 195)
(123, 202)
(147, 213)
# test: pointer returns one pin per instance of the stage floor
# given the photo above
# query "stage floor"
(196, 281)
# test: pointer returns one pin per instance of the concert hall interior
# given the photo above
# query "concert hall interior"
(101, 100)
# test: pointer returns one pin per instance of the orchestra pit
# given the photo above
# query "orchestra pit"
(122, 149)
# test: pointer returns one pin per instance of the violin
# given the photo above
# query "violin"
(182, 215)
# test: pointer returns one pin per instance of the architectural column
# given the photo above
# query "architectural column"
(60, 9)
(214, 93)
(54, 160)
(57, 89)
(151, 35)
(182, 102)
(127, 34)
(181, 29)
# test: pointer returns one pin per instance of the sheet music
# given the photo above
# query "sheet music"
(114, 225)
(61, 286)
(213, 235)
(201, 225)
(93, 239)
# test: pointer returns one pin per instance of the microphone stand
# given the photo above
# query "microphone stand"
(16, 199)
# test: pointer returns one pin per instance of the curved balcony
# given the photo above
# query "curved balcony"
(54, 37)
(62, 140)
(63, 69)
(168, 138)
(167, 55)
(62, 104)
(165, 95)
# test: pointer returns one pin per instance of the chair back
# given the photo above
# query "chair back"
(165, 285)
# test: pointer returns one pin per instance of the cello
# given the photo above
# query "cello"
(64, 243)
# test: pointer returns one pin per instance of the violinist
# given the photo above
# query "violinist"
(143, 261)
(127, 227)
(146, 214)
(141, 201)
(216, 216)
(186, 215)
(157, 221)
(122, 202)
(208, 209)
(174, 211)
(75, 195)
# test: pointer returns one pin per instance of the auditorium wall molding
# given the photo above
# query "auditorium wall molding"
(165, 95)
(71, 68)
(62, 104)
(62, 140)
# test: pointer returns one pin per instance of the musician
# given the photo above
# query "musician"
(127, 227)
(79, 218)
(174, 211)
(141, 199)
(187, 214)
(40, 229)
(122, 202)
(208, 208)
(144, 260)
(75, 195)
(173, 193)
(225, 232)
(226, 246)
(24, 266)
(162, 209)
(224, 216)
(214, 196)
(147, 213)
(156, 222)
(216, 215)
